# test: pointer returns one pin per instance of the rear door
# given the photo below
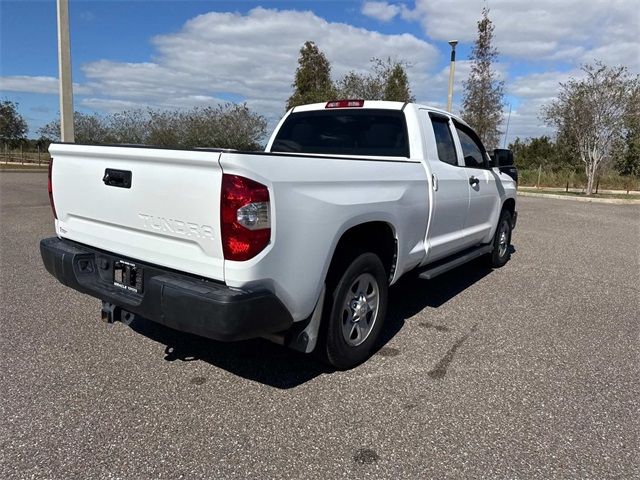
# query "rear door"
(450, 190)
(484, 199)
(154, 205)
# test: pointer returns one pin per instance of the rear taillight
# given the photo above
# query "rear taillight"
(50, 188)
(245, 217)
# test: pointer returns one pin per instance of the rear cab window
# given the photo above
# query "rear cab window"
(444, 140)
(367, 132)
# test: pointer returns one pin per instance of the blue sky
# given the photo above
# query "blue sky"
(175, 54)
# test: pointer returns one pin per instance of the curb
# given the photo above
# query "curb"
(615, 201)
(23, 170)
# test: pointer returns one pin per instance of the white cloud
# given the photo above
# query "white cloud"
(249, 57)
(527, 93)
(525, 122)
(178, 102)
(252, 57)
(230, 55)
(538, 85)
(532, 92)
(47, 85)
(573, 31)
(385, 11)
(382, 11)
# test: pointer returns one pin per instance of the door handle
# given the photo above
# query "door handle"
(434, 181)
(117, 178)
(473, 180)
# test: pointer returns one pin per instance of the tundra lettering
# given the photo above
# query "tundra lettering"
(180, 227)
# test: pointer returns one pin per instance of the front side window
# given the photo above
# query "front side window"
(368, 132)
(472, 150)
(444, 140)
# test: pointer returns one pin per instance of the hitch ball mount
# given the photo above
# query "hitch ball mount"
(112, 313)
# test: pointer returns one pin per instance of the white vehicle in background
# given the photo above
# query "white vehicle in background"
(298, 244)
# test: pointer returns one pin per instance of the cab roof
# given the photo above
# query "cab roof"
(375, 104)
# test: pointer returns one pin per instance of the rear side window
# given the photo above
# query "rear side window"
(444, 141)
(471, 149)
(344, 132)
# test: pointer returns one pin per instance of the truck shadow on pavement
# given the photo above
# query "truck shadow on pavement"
(264, 362)
(258, 360)
(411, 295)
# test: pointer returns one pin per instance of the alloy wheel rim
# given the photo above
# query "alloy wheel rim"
(503, 239)
(360, 309)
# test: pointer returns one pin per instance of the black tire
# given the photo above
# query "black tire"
(346, 308)
(501, 246)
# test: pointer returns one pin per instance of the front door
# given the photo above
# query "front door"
(484, 199)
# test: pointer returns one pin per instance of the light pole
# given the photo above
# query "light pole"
(64, 71)
(452, 68)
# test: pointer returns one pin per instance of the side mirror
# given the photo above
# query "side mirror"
(502, 157)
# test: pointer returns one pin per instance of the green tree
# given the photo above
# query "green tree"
(313, 78)
(89, 128)
(164, 128)
(533, 152)
(387, 81)
(590, 115)
(223, 126)
(397, 87)
(541, 151)
(483, 92)
(129, 126)
(357, 85)
(13, 128)
(628, 153)
(50, 132)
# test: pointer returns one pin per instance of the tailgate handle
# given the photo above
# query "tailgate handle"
(117, 178)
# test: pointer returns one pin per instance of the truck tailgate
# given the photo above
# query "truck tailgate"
(169, 215)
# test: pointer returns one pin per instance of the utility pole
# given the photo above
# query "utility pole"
(64, 70)
(452, 69)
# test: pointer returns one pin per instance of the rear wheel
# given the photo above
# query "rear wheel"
(355, 317)
(502, 241)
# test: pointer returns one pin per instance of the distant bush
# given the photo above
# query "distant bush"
(222, 126)
(576, 179)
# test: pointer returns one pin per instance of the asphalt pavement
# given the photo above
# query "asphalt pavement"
(529, 371)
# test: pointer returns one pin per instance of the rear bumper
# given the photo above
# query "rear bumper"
(179, 301)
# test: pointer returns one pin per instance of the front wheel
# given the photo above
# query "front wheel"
(357, 312)
(502, 241)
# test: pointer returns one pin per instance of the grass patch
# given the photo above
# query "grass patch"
(26, 166)
(620, 196)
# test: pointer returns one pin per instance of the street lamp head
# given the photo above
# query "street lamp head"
(453, 43)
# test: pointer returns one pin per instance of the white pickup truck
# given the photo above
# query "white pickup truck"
(298, 244)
